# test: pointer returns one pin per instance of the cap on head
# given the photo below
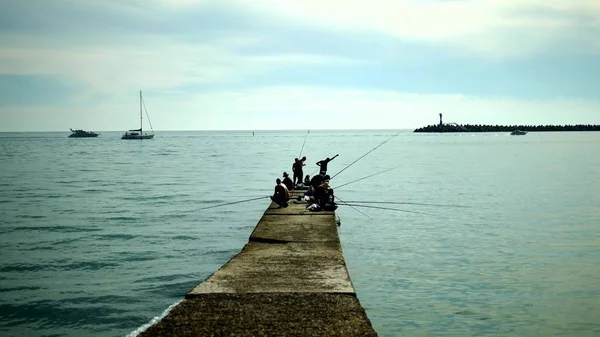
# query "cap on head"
(285, 174)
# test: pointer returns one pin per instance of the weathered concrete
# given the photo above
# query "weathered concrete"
(275, 268)
(315, 227)
(289, 314)
(290, 279)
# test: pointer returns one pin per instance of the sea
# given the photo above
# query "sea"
(462, 234)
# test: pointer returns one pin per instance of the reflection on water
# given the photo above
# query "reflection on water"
(98, 236)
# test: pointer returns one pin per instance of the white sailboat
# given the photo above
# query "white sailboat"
(138, 133)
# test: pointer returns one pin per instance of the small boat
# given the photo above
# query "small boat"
(138, 133)
(82, 134)
(518, 133)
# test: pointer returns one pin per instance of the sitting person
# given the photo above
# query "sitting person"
(322, 193)
(287, 181)
(325, 202)
(281, 194)
(307, 180)
(329, 204)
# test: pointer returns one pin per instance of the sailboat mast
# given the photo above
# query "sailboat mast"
(141, 123)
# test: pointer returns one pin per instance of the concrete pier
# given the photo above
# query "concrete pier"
(290, 279)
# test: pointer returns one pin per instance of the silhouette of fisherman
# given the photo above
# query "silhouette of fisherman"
(287, 181)
(297, 169)
(281, 194)
(317, 184)
(323, 164)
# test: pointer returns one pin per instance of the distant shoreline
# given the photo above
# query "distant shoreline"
(504, 128)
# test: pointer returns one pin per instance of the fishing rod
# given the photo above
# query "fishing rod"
(300, 155)
(356, 209)
(388, 208)
(232, 203)
(405, 203)
(366, 154)
(374, 174)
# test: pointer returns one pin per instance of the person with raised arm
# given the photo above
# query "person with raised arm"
(323, 164)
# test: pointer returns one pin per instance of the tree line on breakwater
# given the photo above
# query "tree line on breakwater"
(505, 128)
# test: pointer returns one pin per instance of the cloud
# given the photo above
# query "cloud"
(495, 29)
(149, 62)
(245, 64)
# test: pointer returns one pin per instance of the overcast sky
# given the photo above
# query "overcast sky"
(297, 64)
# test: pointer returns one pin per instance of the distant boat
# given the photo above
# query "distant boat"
(518, 133)
(82, 134)
(138, 133)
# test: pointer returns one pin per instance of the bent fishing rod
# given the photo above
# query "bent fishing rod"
(405, 203)
(234, 202)
(354, 208)
(367, 154)
(302, 149)
(388, 208)
(371, 175)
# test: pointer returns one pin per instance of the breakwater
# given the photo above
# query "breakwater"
(289, 279)
(505, 128)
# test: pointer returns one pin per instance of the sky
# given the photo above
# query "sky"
(297, 64)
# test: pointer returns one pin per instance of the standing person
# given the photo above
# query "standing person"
(281, 194)
(297, 169)
(287, 181)
(323, 164)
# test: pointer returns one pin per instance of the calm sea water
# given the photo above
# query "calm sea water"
(98, 236)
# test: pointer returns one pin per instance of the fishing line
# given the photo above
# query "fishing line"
(356, 209)
(300, 155)
(366, 154)
(147, 116)
(231, 203)
(405, 203)
(374, 174)
(389, 208)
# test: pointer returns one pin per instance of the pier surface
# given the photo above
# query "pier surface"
(290, 279)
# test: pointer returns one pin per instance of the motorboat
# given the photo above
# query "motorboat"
(82, 134)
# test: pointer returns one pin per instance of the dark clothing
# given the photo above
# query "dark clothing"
(298, 173)
(327, 201)
(323, 164)
(279, 201)
(317, 180)
(298, 176)
(288, 183)
(320, 195)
